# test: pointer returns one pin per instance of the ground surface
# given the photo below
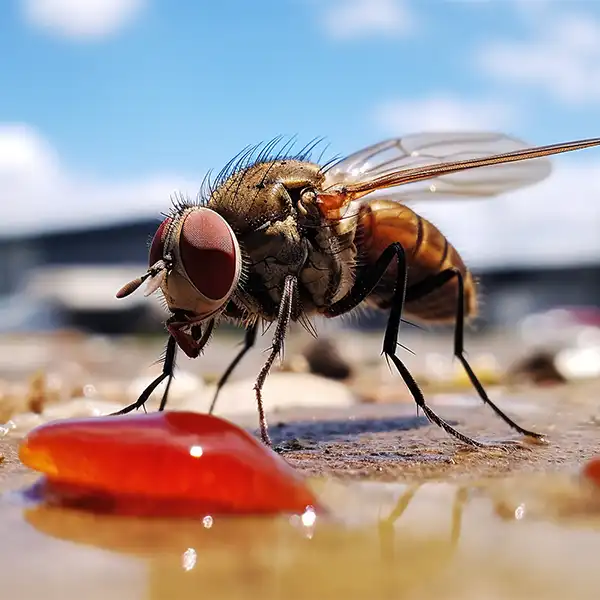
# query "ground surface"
(413, 513)
(382, 438)
(390, 442)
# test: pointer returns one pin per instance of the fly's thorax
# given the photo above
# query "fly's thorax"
(272, 206)
(265, 192)
(263, 204)
(276, 242)
(328, 274)
(272, 252)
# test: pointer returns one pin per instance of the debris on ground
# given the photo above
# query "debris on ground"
(538, 368)
(37, 395)
(324, 357)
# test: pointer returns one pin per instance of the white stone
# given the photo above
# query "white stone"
(579, 363)
(22, 423)
(281, 390)
(80, 407)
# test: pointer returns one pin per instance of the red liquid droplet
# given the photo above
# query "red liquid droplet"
(163, 463)
(591, 471)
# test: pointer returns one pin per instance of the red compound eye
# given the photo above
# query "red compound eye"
(209, 253)
(158, 243)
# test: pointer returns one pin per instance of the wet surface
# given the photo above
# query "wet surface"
(436, 540)
(413, 513)
(391, 442)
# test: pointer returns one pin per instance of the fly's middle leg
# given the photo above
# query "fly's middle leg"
(287, 311)
(249, 341)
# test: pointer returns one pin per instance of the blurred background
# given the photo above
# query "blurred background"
(109, 106)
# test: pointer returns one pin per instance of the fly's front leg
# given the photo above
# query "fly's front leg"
(287, 309)
(192, 344)
(249, 341)
(432, 283)
(362, 288)
(168, 368)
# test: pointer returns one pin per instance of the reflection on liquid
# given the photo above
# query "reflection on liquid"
(189, 559)
(306, 521)
(207, 521)
(386, 526)
(432, 540)
(196, 451)
(520, 512)
(309, 517)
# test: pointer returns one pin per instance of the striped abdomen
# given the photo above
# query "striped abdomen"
(428, 252)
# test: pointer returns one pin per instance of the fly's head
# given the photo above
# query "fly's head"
(195, 260)
(201, 260)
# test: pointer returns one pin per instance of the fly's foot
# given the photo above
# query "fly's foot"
(131, 407)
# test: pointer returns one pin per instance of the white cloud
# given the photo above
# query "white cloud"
(345, 19)
(533, 8)
(443, 112)
(82, 19)
(552, 223)
(40, 193)
(560, 55)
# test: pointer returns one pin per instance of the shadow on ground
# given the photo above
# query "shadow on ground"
(304, 435)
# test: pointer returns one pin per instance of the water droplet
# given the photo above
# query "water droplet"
(520, 512)
(188, 559)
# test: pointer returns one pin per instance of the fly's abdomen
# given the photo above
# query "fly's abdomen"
(428, 252)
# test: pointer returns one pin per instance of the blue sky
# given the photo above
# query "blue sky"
(107, 104)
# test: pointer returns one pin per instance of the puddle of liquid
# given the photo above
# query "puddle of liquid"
(507, 538)
(528, 536)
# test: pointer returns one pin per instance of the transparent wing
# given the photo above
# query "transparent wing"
(429, 149)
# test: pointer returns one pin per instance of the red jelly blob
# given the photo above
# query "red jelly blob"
(175, 463)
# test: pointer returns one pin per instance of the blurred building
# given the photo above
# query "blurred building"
(510, 295)
(69, 279)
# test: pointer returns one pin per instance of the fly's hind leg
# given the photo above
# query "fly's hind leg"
(287, 311)
(435, 282)
(249, 341)
(362, 288)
